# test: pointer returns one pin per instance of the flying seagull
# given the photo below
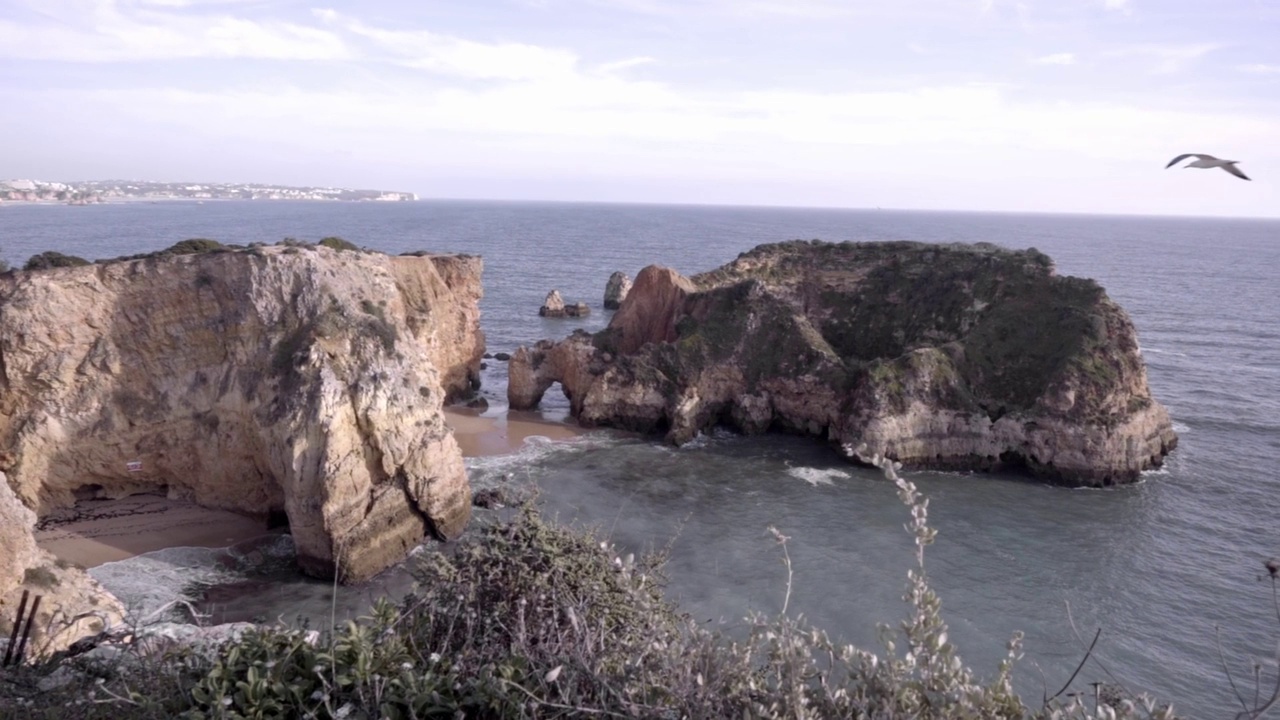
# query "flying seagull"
(1208, 161)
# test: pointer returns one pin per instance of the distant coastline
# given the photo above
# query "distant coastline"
(100, 191)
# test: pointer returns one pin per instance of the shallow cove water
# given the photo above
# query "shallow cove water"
(1157, 565)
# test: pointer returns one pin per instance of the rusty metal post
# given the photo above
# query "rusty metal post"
(17, 623)
(26, 633)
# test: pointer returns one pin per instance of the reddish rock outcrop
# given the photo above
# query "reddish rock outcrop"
(956, 356)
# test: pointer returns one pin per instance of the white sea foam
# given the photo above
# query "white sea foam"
(149, 581)
(817, 476)
(703, 439)
(537, 447)
(1161, 351)
(1180, 428)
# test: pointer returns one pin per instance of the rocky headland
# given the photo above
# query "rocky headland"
(937, 356)
(303, 382)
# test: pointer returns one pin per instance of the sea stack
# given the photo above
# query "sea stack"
(615, 291)
(554, 306)
(937, 356)
(307, 381)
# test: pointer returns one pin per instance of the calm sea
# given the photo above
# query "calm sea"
(1158, 565)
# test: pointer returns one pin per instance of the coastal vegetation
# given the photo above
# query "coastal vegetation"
(190, 246)
(527, 619)
(53, 259)
(338, 243)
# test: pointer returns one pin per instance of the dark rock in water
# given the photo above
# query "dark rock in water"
(615, 291)
(478, 402)
(502, 357)
(484, 366)
(942, 356)
(487, 356)
(554, 306)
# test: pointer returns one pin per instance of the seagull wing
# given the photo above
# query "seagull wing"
(1231, 168)
(1184, 156)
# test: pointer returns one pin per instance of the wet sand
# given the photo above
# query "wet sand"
(101, 531)
(484, 436)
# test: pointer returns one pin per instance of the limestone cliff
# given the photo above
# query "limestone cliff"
(955, 356)
(72, 604)
(303, 380)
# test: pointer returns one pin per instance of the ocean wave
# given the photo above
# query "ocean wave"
(148, 582)
(704, 439)
(817, 476)
(536, 449)
(1160, 351)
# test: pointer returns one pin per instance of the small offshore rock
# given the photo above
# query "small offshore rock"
(553, 306)
(502, 357)
(615, 291)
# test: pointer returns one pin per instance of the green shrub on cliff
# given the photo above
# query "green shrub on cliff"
(193, 246)
(525, 619)
(338, 243)
(53, 259)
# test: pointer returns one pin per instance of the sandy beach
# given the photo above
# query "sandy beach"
(101, 531)
(483, 436)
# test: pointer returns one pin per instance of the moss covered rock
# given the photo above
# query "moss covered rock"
(950, 356)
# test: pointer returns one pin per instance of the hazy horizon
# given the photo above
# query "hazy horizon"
(1064, 106)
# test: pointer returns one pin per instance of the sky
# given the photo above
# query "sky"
(987, 105)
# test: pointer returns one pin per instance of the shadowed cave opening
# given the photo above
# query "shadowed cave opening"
(278, 519)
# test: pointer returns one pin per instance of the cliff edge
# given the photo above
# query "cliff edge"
(939, 356)
(307, 381)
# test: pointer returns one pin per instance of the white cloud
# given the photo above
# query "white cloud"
(739, 8)
(1120, 5)
(1065, 58)
(447, 55)
(125, 30)
(1166, 58)
(1260, 69)
(979, 123)
(619, 65)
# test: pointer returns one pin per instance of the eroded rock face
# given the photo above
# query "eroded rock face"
(952, 357)
(72, 604)
(304, 380)
(615, 291)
